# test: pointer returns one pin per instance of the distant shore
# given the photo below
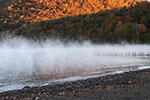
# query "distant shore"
(125, 86)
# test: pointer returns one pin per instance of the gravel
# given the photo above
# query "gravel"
(134, 85)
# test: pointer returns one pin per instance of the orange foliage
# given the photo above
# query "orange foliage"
(28, 4)
(39, 10)
(9, 8)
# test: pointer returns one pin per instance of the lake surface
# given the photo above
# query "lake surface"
(25, 65)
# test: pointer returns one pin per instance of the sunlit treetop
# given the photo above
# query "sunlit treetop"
(40, 10)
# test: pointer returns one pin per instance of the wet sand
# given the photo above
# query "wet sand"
(125, 86)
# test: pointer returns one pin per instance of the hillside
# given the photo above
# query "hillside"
(106, 21)
(4, 3)
(40, 10)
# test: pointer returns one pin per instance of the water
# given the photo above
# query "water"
(25, 63)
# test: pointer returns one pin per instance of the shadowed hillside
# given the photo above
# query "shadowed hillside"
(126, 24)
(4, 3)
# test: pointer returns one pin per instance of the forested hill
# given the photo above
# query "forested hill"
(113, 21)
(25, 11)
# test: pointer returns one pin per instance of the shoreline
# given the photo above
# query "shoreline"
(103, 87)
(75, 78)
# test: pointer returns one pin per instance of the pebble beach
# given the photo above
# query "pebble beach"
(133, 85)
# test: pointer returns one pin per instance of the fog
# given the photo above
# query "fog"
(28, 61)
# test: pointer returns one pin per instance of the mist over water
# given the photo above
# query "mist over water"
(25, 62)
